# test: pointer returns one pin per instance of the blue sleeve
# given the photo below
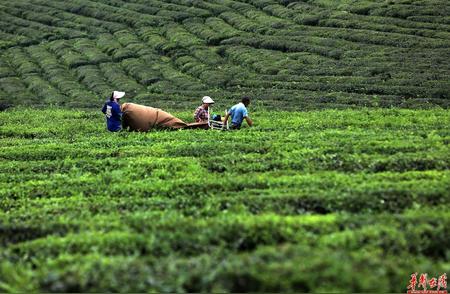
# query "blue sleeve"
(231, 110)
(104, 109)
(116, 111)
(244, 112)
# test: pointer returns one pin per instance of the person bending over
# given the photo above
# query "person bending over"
(238, 113)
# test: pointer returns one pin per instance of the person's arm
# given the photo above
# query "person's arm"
(226, 119)
(196, 115)
(117, 111)
(124, 122)
(104, 109)
(247, 118)
(249, 121)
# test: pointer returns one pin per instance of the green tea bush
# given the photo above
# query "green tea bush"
(220, 26)
(242, 23)
(42, 89)
(21, 62)
(126, 37)
(108, 44)
(88, 49)
(73, 195)
(14, 86)
(6, 70)
(68, 11)
(156, 41)
(58, 75)
(140, 71)
(91, 76)
(119, 79)
(285, 41)
(36, 14)
(215, 8)
(179, 36)
(201, 30)
(71, 57)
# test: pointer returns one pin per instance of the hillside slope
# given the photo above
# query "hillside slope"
(288, 54)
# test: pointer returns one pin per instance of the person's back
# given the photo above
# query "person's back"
(238, 113)
(112, 112)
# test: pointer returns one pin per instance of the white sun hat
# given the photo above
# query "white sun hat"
(207, 100)
(118, 94)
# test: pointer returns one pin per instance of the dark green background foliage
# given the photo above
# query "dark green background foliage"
(353, 199)
(288, 54)
(331, 200)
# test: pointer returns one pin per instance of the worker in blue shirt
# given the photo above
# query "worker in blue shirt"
(112, 112)
(238, 113)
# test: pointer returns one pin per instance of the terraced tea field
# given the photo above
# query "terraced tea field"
(333, 200)
(288, 54)
(342, 185)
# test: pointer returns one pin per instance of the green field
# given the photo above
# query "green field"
(332, 200)
(342, 185)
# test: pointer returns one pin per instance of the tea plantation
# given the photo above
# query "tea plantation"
(289, 54)
(342, 185)
(332, 200)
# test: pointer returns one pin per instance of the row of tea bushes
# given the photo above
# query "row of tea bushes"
(196, 210)
(301, 53)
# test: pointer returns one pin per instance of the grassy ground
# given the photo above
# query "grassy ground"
(334, 200)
